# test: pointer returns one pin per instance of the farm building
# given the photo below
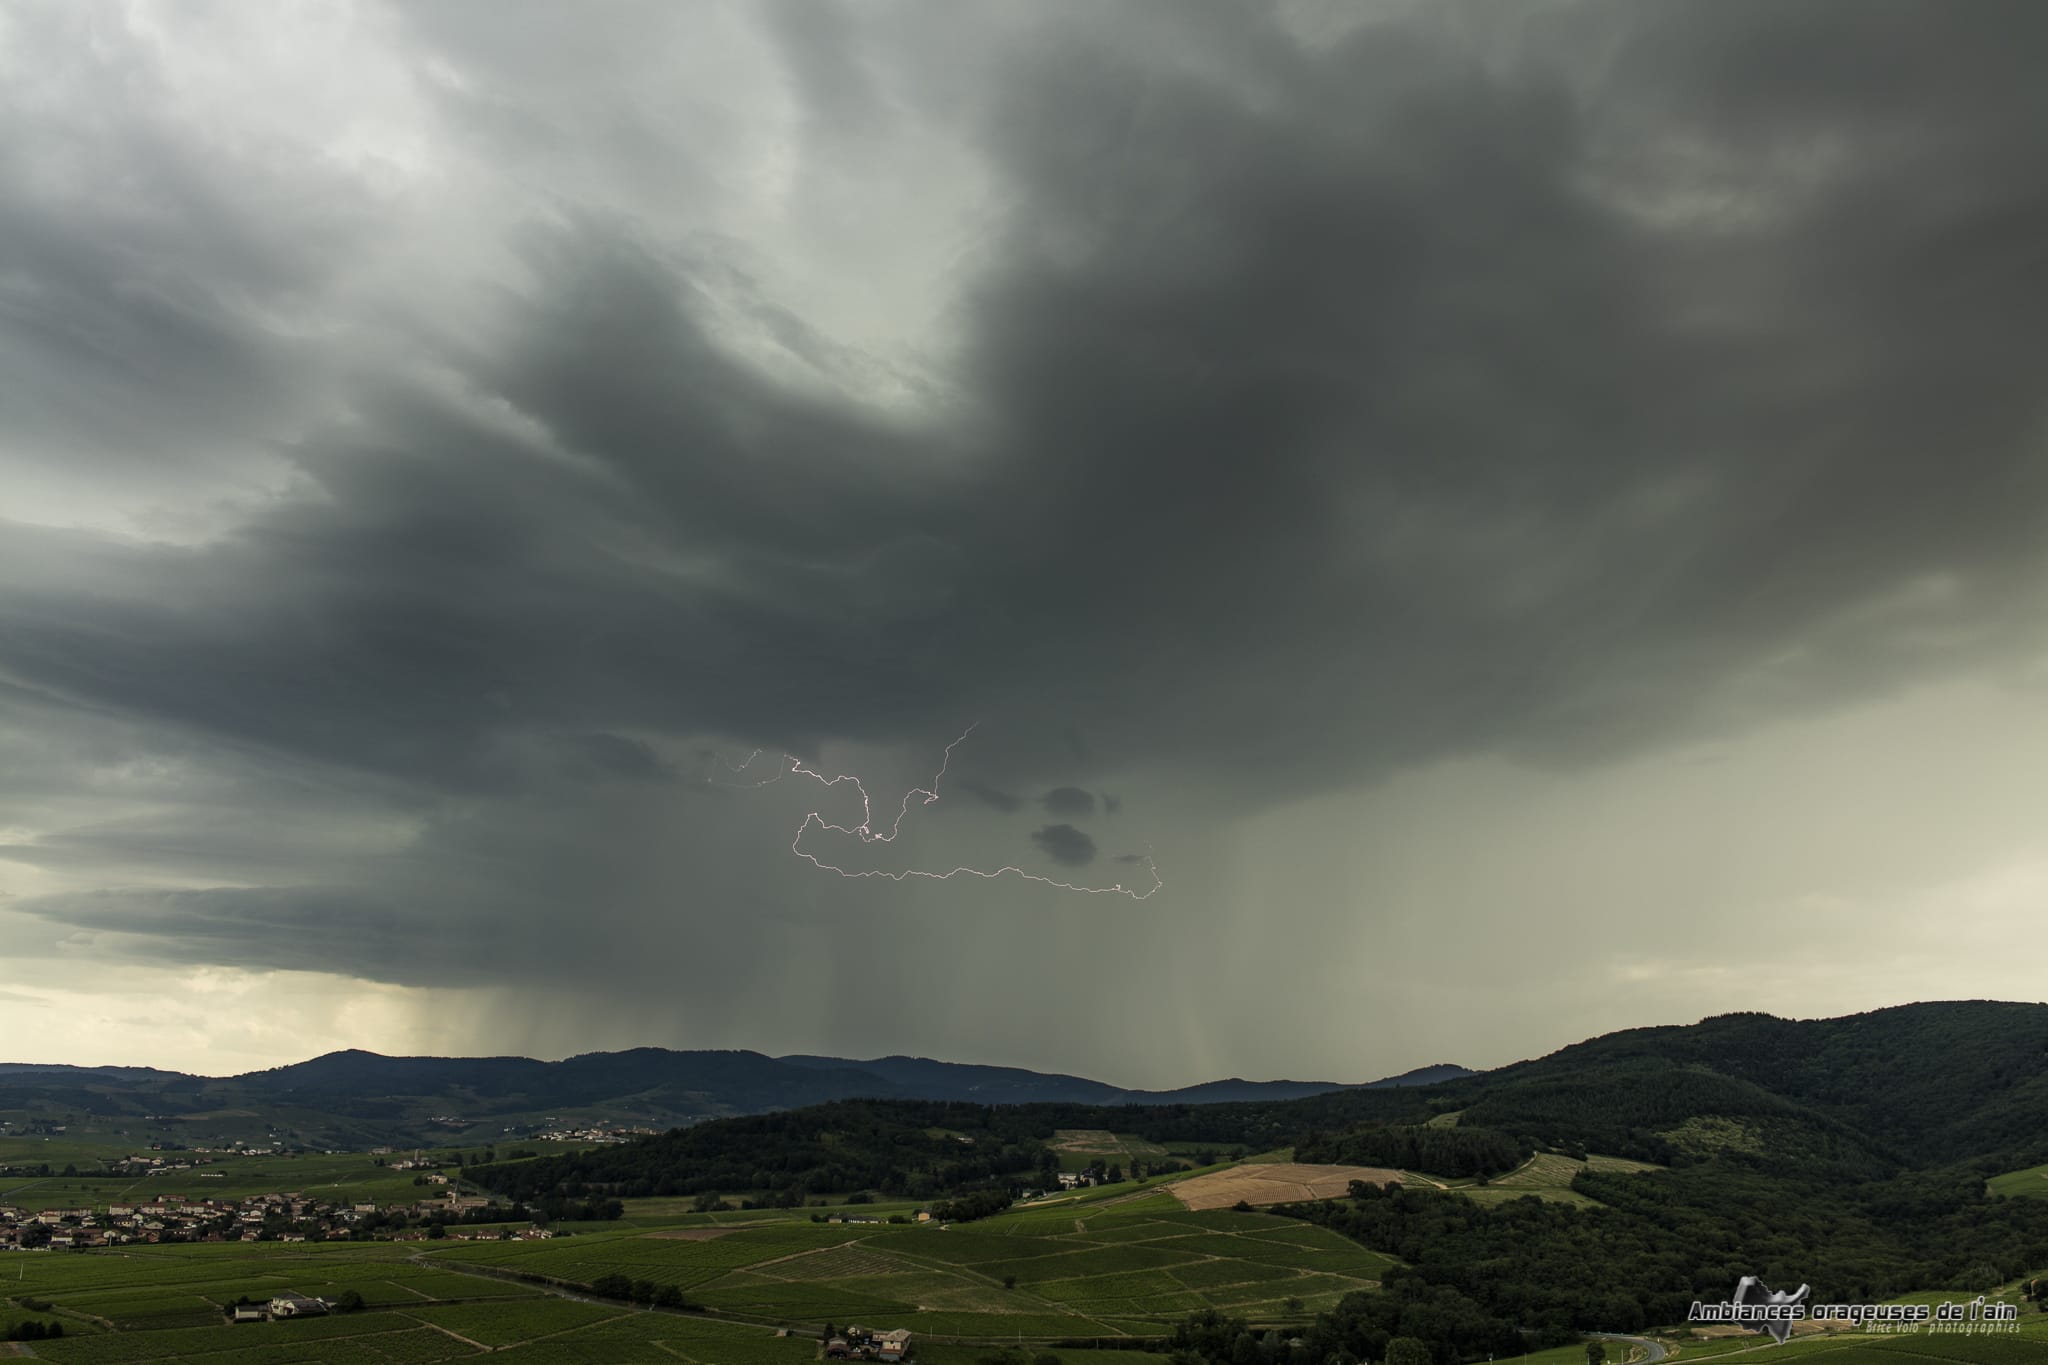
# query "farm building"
(864, 1343)
(289, 1305)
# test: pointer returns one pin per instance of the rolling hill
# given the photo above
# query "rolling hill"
(357, 1098)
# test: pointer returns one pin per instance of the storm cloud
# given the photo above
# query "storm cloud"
(1067, 801)
(431, 427)
(1065, 845)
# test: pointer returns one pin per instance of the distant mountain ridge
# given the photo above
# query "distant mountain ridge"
(354, 1096)
(1924, 1083)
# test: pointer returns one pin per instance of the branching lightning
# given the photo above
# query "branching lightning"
(867, 834)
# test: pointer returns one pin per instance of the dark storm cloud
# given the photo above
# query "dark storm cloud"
(1064, 844)
(1319, 409)
(1436, 448)
(1067, 801)
(1317, 352)
(618, 756)
(303, 929)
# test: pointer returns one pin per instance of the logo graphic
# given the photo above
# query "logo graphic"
(1767, 1309)
(1760, 1308)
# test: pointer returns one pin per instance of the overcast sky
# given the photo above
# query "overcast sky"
(1534, 517)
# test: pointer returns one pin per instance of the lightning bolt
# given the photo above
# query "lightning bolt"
(865, 831)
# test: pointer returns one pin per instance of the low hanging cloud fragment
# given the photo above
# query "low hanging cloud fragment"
(1068, 801)
(1065, 845)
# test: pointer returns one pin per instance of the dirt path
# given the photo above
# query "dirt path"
(808, 1251)
(450, 1332)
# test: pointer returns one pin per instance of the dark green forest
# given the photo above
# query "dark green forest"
(1456, 1152)
(1529, 1274)
(887, 1146)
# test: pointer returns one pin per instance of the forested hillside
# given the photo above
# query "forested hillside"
(1934, 1082)
(1459, 1151)
(1733, 1089)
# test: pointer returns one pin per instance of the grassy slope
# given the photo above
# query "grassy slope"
(2032, 1182)
(1115, 1262)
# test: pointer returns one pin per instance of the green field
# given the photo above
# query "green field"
(1112, 1266)
(2032, 1182)
(1080, 1148)
(1120, 1264)
(164, 1303)
(1546, 1175)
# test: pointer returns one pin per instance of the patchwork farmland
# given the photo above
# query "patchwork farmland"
(1124, 1262)
(1114, 1267)
(166, 1303)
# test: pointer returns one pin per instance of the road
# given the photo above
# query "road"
(1654, 1351)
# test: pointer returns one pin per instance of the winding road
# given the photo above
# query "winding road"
(1654, 1350)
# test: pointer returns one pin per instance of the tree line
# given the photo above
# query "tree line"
(1447, 1151)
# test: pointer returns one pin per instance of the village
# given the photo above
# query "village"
(281, 1217)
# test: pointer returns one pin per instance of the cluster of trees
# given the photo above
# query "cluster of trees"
(899, 1148)
(968, 1207)
(1456, 1151)
(580, 1206)
(33, 1330)
(647, 1292)
(712, 1202)
(1351, 1334)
